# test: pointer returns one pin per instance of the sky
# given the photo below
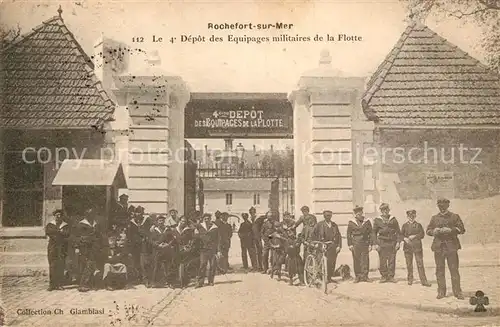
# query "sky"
(229, 67)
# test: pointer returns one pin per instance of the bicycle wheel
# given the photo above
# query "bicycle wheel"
(324, 273)
(310, 271)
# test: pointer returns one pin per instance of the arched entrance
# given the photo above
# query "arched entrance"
(232, 179)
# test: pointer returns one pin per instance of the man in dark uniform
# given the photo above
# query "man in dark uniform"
(294, 263)
(120, 212)
(88, 245)
(445, 228)
(413, 233)
(257, 237)
(218, 218)
(208, 234)
(245, 233)
(58, 233)
(226, 233)
(309, 221)
(387, 239)
(266, 231)
(359, 240)
(184, 234)
(163, 240)
(328, 231)
(288, 221)
(140, 245)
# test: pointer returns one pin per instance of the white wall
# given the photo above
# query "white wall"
(242, 201)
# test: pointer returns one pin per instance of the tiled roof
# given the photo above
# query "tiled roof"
(426, 80)
(49, 82)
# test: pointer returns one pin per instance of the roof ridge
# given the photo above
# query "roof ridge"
(65, 30)
(90, 68)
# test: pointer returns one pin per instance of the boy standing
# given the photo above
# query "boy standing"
(413, 233)
(359, 240)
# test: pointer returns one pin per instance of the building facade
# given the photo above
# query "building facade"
(58, 103)
(53, 108)
(236, 196)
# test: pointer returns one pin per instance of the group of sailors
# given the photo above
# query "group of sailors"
(260, 235)
(156, 251)
(162, 251)
(272, 244)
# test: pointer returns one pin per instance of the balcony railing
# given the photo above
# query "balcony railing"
(233, 171)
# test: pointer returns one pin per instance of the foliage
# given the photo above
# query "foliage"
(483, 13)
(8, 35)
(280, 162)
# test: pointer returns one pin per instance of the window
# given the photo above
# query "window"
(256, 199)
(292, 199)
(229, 199)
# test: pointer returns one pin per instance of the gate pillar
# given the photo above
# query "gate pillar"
(326, 174)
(155, 101)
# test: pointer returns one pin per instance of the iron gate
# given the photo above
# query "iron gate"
(281, 192)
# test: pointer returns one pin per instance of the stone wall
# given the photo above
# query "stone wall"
(472, 156)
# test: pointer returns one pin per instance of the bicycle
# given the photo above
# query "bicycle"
(316, 266)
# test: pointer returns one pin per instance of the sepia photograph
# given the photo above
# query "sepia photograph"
(250, 163)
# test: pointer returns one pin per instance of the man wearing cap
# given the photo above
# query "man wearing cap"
(288, 221)
(359, 240)
(386, 240)
(268, 228)
(445, 228)
(328, 231)
(306, 218)
(120, 211)
(57, 232)
(246, 240)
(309, 222)
(163, 240)
(88, 245)
(226, 233)
(257, 237)
(413, 233)
(208, 233)
(140, 246)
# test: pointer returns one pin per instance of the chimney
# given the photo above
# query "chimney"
(111, 58)
(254, 149)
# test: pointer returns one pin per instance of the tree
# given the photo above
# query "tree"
(483, 13)
(8, 35)
(279, 162)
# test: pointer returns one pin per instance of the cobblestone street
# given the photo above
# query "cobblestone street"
(253, 299)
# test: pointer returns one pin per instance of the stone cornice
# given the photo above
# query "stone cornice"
(148, 90)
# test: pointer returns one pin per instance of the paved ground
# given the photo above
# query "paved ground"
(255, 300)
